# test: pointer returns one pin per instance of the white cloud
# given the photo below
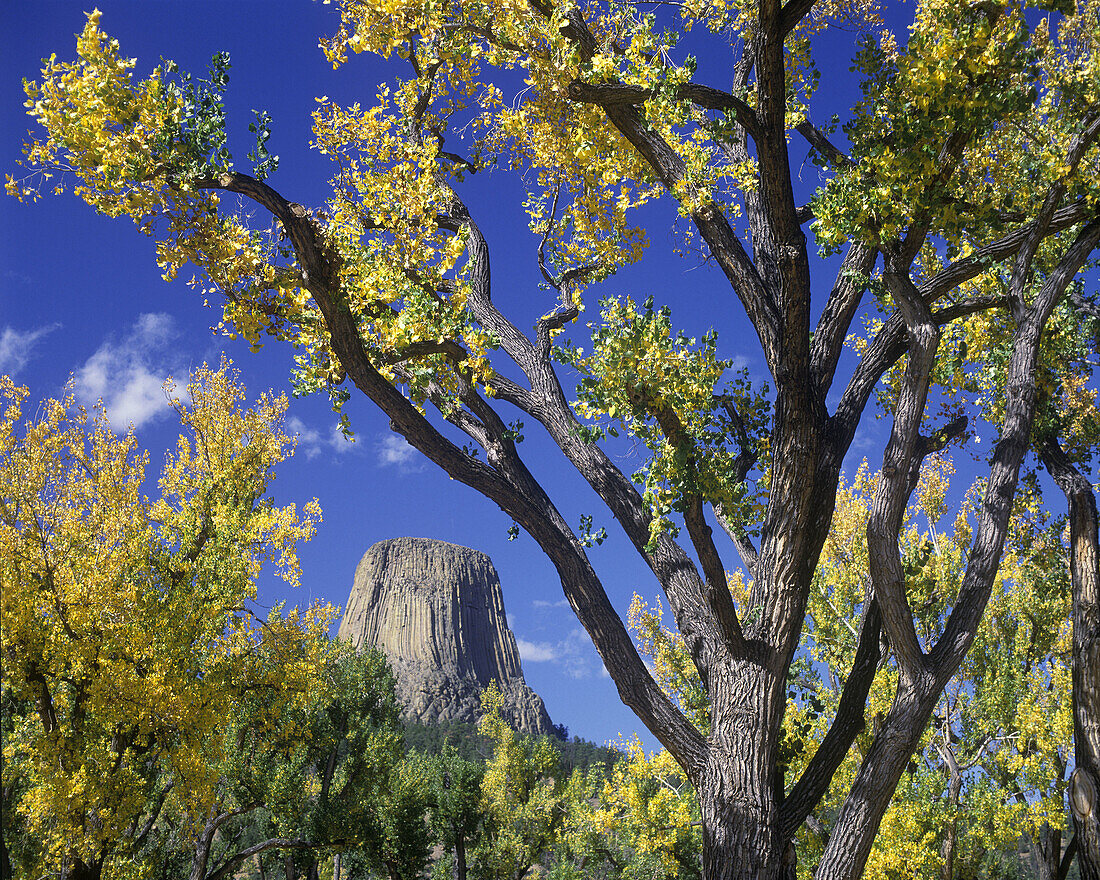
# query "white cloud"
(542, 603)
(393, 451)
(312, 442)
(16, 347)
(128, 374)
(536, 652)
(574, 654)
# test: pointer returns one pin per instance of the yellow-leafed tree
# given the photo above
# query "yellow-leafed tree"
(962, 189)
(127, 635)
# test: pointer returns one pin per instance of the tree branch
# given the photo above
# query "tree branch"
(985, 551)
(840, 310)
(272, 843)
(718, 596)
(817, 139)
(962, 270)
(793, 13)
(901, 464)
(153, 815)
(531, 508)
(849, 721)
(745, 461)
(712, 224)
(889, 344)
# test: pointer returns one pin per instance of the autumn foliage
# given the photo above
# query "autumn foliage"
(128, 631)
(963, 192)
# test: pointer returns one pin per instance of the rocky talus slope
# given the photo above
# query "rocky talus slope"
(436, 610)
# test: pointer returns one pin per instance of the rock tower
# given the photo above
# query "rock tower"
(436, 611)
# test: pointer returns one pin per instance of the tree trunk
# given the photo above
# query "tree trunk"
(201, 856)
(81, 870)
(1085, 567)
(1085, 577)
(5, 859)
(1047, 853)
(857, 825)
(738, 797)
(459, 866)
(951, 838)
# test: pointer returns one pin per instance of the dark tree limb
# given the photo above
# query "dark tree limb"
(988, 541)
(965, 268)
(690, 597)
(793, 12)
(1067, 858)
(712, 224)
(154, 814)
(1085, 578)
(718, 596)
(284, 843)
(901, 467)
(918, 691)
(534, 511)
(889, 345)
(828, 150)
(745, 461)
(840, 310)
(849, 721)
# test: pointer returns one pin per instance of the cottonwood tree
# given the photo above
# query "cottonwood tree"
(127, 635)
(991, 767)
(299, 786)
(1064, 443)
(974, 143)
(521, 801)
(1066, 446)
(455, 808)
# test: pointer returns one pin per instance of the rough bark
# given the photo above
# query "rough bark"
(459, 867)
(287, 844)
(738, 801)
(747, 823)
(951, 836)
(923, 675)
(734, 770)
(1047, 853)
(1085, 578)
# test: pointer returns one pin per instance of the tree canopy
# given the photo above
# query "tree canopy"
(127, 635)
(962, 192)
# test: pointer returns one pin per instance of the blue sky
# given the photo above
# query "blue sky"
(81, 296)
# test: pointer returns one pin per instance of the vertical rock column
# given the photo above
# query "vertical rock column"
(436, 610)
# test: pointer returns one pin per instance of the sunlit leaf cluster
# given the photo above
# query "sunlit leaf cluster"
(660, 386)
(973, 74)
(126, 622)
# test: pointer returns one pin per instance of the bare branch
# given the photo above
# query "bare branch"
(889, 344)
(817, 139)
(718, 596)
(971, 266)
(840, 310)
(272, 843)
(532, 511)
(421, 349)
